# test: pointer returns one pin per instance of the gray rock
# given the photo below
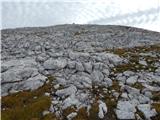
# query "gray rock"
(125, 110)
(142, 62)
(102, 109)
(148, 94)
(108, 81)
(151, 88)
(131, 90)
(97, 76)
(79, 66)
(55, 64)
(71, 115)
(124, 95)
(146, 110)
(71, 64)
(69, 101)
(67, 91)
(121, 77)
(125, 115)
(131, 80)
(106, 72)
(88, 67)
(21, 75)
(98, 66)
(128, 73)
(143, 99)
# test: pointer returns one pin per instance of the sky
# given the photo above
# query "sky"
(33, 13)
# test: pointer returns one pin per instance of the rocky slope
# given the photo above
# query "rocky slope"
(92, 65)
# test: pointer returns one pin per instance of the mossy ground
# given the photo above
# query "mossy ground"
(28, 105)
(133, 55)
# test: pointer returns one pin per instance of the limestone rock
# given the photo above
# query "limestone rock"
(67, 91)
(71, 115)
(102, 109)
(55, 64)
(146, 110)
(97, 76)
(125, 110)
(131, 80)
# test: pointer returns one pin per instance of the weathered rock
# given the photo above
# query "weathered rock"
(151, 88)
(97, 76)
(71, 64)
(108, 81)
(128, 73)
(106, 72)
(146, 110)
(55, 64)
(88, 67)
(125, 110)
(131, 80)
(71, 115)
(102, 109)
(79, 66)
(131, 90)
(67, 91)
(21, 75)
(69, 101)
(142, 62)
(125, 115)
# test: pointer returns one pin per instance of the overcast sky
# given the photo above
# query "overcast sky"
(138, 13)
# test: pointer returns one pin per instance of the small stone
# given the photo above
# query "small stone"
(67, 91)
(108, 81)
(142, 62)
(131, 80)
(45, 112)
(71, 116)
(128, 73)
(56, 86)
(47, 94)
(124, 95)
(102, 109)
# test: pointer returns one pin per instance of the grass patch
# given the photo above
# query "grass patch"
(156, 96)
(157, 107)
(138, 85)
(93, 112)
(82, 114)
(28, 105)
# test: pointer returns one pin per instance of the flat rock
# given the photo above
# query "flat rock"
(97, 76)
(67, 91)
(53, 64)
(131, 80)
(125, 110)
(146, 110)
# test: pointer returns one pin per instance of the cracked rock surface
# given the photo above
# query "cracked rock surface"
(86, 68)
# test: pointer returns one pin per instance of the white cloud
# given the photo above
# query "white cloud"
(22, 13)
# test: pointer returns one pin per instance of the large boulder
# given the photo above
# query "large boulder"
(125, 110)
(20, 75)
(147, 111)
